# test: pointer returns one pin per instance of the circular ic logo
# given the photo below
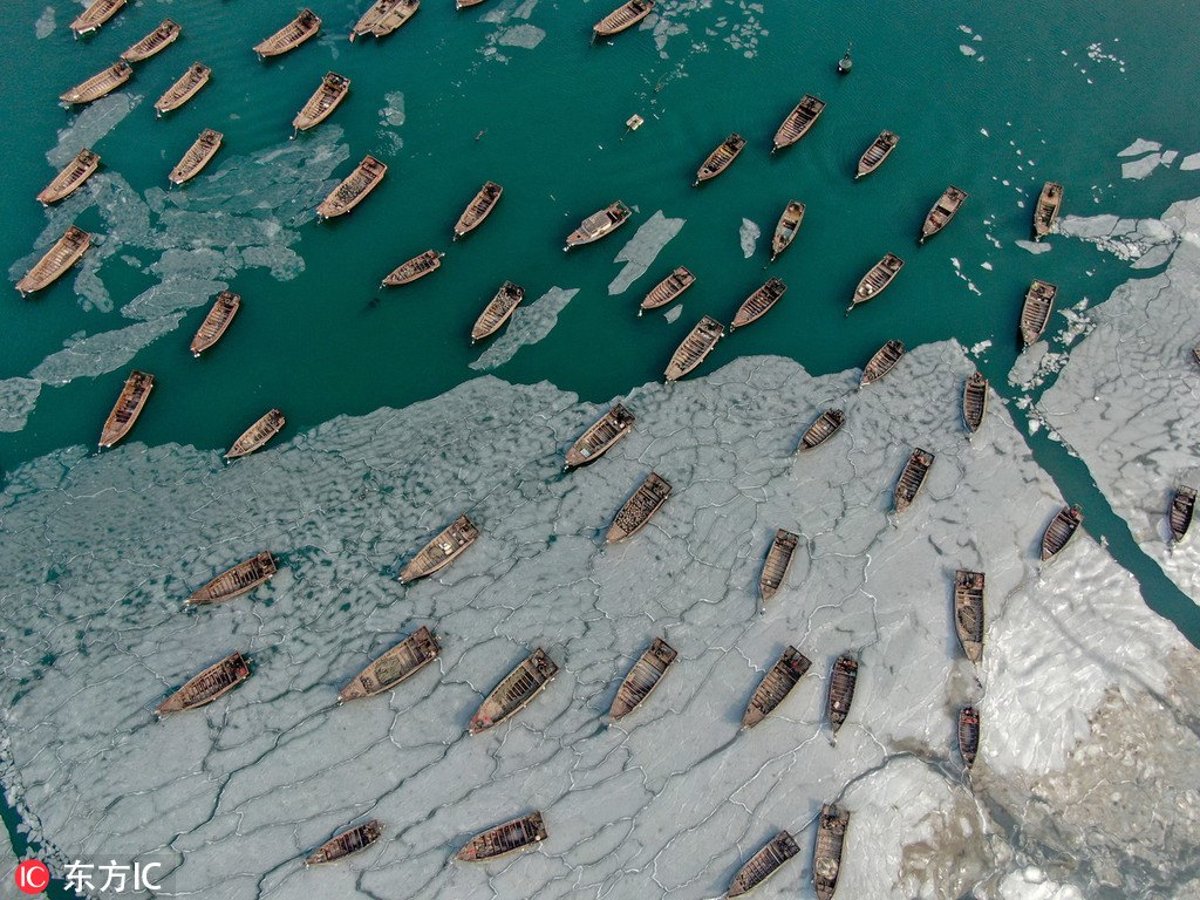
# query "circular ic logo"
(32, 876)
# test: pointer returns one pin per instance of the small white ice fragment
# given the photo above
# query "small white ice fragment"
(1140, 146)
(748, 234)
(1190, 163)
(674, 312)
(44, 26)
(986, 265)
(966, 49)
(1033, 247)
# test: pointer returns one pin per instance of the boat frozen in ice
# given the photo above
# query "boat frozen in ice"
(974, 401)
(441, 551)
(498, 311)
(842, 679)
(129, 405)
(694, 348)
(601, 436)
(777, 564)
(643, 678)
(399, 663)
(519, 834)
(241, 579)
(518, 688)
(1036, 310)
(763, 864)
(968, 612)
(1045, 212)
(257, 435)
(775, 686)
(1060, 531)
(827, 851)
(637, 511)
(349, 841)
(912, 479)
(214, 682)
(825, 427)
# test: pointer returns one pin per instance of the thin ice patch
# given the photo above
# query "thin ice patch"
(642, 249)
(44, 26)
(530, 324)
(748, 235)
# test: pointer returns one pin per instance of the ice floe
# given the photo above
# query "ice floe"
(90, 125)
(1190, 163)
(674, 312)
(1144, 242)
(530, 323)
(1140, 146)
(642, 249)
(748, 236)
(44, 26)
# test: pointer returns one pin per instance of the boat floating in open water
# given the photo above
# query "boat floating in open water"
(354, 188)
(789, 225)
(155, 42)
(623, 17)
(402, 661)
(128, 407)
(1060, 531)
(695, 347)
(71, 178)
(968, 734)
(97, 13)
(777, 564)
(290, 36)
(882, 362)
(639, 508)
(183, 90)
(478, 209)
(601, 436)
(821, 430)
(527, 831)
(531, 676)
(599, 224)
(349, 841)
(325, 99)
(498, 311)
(720, 159)
(968, 612)
(466, 4)
(763, 864)
(441, 551)
(99, 85)
(798, 122)
(1183, 504)
(775, 686)
(668, 289)
(384, 16)
(943, 210)
(216, 321)
(417, 267)
(643, 678)
(1036, 310)
(198, 156)
(877, 279)
(756, 305)
(1045, 213)
(241, 579)
(873, 157)
(974, 401)
(65, 252)
(215, 681)
(827, 851)
(912, 478)
(842, 679)
(257, 435)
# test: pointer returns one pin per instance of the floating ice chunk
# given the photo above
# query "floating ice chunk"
(1140, 146)
(103, 352)
(393, 113)
(980, 348)
(530, 323)
(966, 29)
(525, 10)
(748, 235)
(1190, 163)
(1031, 883)
(1128, 239)
(525, 36)
(90, 125)
(986, 265)
(984, 132)
(1168, 157)
(1034, 247)
(674, 312)
(17, 399)
(966, 50)
(1140, 168)
(171, 296)
(642, 249)
(44, 26)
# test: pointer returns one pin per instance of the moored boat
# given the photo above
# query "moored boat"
(399, 663)
(912, 478)
(1183, 504)
(777, 564)
(527, 831)
(478, 209)
(97, 13)
(183, 90)
(215, 681)
(601, 436)
(639, 508)
(974, 401)
(71, 178)
(827, 851)
(763, 864)
(877, 279)
(290, 36)
(65, 253)
(1036, 310)
(643, 678)
(943, 210)
(881, 148)
(384, 16)
(1060, 531)
(216, 321)
(466, 4)
(155, 42)
(756, 305)
(721, 158)
(624, 16)
(599, 224)
(825, 427)
(968, 612)
(417, 267)
(515, 691)
(257, 434)
(882, 362)
(842, 679)
(241, 579)
(349, 841)
(798, 122)
(968, 734)
(128, 407)
(99, 85)
(668, 289)
(441, 551)
(694, 348)
(325, 99)
(789, 225)
(498, 311)
(353, 189)
(1045, 213)
(198, 156)
(775, 686)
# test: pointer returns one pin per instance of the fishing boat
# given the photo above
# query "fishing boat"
(720, 159)
(384, 16)
(827, 851)
(128, 407)
(668, 289)
(882, 362)
(71, 178)
(877, 279)
(642, 679)
(798, 122)
(325, 99)
(624, 16)
(349, 841)
(466, 4)
(99, 85)
(478, 209)
(1035, 313)
(789, 225)
(968, 612)
(974, 401)
(778, 562)
(945, 209)
(404, 660)
(241, 579)
(1182, 506)
(639, 508)
(1060, 531)
(1196, 354)
(775, 686)
(441, 551)
(216, 321)
(198, 156)
(968, 734)
(515, 692)
(353, 189)
(763, 864)
(60, 257)
(825, 427)
(498, 311)
(527, 831)
(1045, 213)
(97, 13)
(417, 267)
(599, 224)
(290, 36)
(601, 436)
(695, 347)
(184, 89)
(912, 478)
(215, 681)
(756, 305)
(155, 42)
(881, 148)
(841, 690)
(257, 434)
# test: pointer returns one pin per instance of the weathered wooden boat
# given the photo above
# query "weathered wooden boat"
(881, 148)
(384, 16)
(601, 436)
(290, 36)
(128, 407)
(841, 690)
(1183, 504)
(183, 90)
(798, 122)
(1035, 312)
(624, 16)
(71, 178)
(527, 831)
(353, 189)
(1045, 213)
(216, 321)
(756, 305)
(912, 478)
(968, 734)
(775, 686)
(155, 42)
(643, 678)
(945, 209)
(60, 257)
(417, 267)
(97, 13)
(777, 564)
(974, 402)
(877, 279)
(968, 612)
(825, 427)
(599, 224)
(827, 851)
(695, 347)
(349, 841)
(99, 85)
(241, 579)
(478, 209)
(466, 4)
(882, 362)
(720, 159)
(498, 311)
(763, 864)
(1060, 531)
(1196, 354)
(668, 289)
(325, 99)
(198, 156)
(515, 692)
(215, 681)
(639, 508)
(441, 551)
(789, 225)
(399, 663)
(257, 434)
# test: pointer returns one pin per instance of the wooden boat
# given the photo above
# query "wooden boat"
(215, 681)
(97, 13)
(1182, 506)
(763, 864)
(290, 36)
(353, 189)
(639, 508)
(720, 159)
(465, 4)
(71, 178)
(216, 321)
(518, 834)
(1196, 354)
(695, 347)
(968, 612)
(65, 253)
(320, 106)
(668, 289)
(798, 122)
(515, 692)
(756, 305)
(601, 436)
(945, 209)
(241, 579)
(877, 279)
(349, 841)
(498, 311)
(128, 407)
(974, 403)
(478, 209)
(599, 224)
(1060, 531)
(198, 156)
(775, 686)
(1045, 213)
(99, 85)
(257, 434)
(789, 225)
(384, 16)
(841, 690)
(441, 551)
(968, 734)
(624, 16)
(1035, 313)
(155, 42)
(404, 660)
(825, 427)
(882, 362)
(911, 479)
(778, 562)
(643, 678)
(184, 89)
(417, 267)
(881, 148)
(827, 852)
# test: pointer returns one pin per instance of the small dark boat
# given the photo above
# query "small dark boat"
(639, 508)
(668, 289)
(778, 562)
(623, 17)
(354, 188)
(290, 36)
(881, 148)
(99, 85)
(1060, 531)
(1045, 213)
(763, 864)
(695, 347)
(599, 224)
(441, 551)
(757, 304)
(128, 407)
(601, 436)
(789, 225)
(350, 841)
(155, 42)
(216, 321)
(183, 90)
(241, 579)
(527, 831)
(841, 690)
(97, 13)
(498, 311)
(57, 260)
(968, 612)
(325, 99)
(643, 678)
(827, 852)
(199, 155)
(882, 362)
(1182, 506)
(1035, 312)
(70, 179)
(945, 209)
(514, 693)
(478, 209)
(257, 435)
(825, 427)
(798, 122)
(384, 17)
(405, 659)
(912, 478)
(877, 279)
(974, 403)
(720, 159)
(417, 267)
(968, 734)
(775, 686)
(215, 681)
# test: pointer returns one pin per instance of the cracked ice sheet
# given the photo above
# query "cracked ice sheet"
(90, 125)
(642, 249)
(530, 324)
(99, 550)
